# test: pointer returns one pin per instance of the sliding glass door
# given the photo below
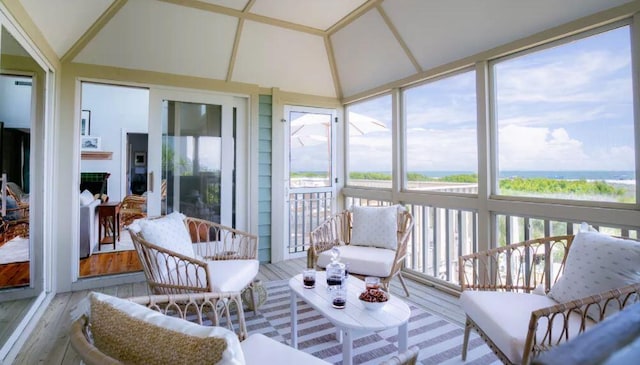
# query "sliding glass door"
(193, 154)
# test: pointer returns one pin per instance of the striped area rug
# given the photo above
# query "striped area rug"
(440, 341)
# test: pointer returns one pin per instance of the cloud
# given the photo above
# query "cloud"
(536, 148)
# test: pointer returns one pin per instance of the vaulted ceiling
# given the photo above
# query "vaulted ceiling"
(334, 48)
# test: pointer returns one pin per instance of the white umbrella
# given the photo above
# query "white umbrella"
(313, 128)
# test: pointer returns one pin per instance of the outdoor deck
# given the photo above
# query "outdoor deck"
(49, 342)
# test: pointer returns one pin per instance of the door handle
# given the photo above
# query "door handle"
(150, 182)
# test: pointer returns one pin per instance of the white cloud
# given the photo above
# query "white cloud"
(534, 148)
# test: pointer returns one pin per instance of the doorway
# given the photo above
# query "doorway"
(310, 172)
(113, 165)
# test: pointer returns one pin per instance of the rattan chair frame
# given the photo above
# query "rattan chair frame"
(192, 274)
(512, 268)
(336, 231)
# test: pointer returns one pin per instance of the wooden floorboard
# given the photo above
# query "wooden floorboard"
(49, 342)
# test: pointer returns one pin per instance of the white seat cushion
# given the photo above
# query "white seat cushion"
(232, 275)
(259, 349)
(505, 316)
(369, 261)
(224, 275)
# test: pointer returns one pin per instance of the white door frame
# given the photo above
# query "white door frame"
(281, 188)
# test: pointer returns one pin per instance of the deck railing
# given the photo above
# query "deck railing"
(440, 235)
(306, 211)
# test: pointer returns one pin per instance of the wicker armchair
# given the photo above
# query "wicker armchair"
(526, 268)
(14, 219)
(225, 260)
(336, 232)
(132, 207)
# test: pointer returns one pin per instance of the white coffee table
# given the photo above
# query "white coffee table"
(353, 318)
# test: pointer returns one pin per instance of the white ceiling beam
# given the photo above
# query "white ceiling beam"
(398, 37)
(333, 67)
(245, 15)
(351, 17)
(236, 41)
(93, 30)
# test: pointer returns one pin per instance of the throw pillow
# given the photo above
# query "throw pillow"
(135, 334)
(596, 263)
(375, 226)
(168, 232)
(86, 198)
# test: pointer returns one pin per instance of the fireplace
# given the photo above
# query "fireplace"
(95, 182)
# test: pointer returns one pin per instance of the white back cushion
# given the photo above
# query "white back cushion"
(375, 226)
(596, 263)
(168, 232)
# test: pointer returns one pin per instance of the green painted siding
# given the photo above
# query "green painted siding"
(264, 178)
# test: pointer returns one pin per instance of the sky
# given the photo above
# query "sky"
(562, 108)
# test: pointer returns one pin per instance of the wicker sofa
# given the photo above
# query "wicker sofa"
(528, 297)
(110, 343)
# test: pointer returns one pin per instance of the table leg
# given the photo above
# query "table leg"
(117, 228)
(99, 232)
(294, 320)
(347, 347)
(339, 335)
(403, 337)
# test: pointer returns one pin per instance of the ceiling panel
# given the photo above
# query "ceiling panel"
(320, 14)
(368, 55)
(441, 32)
(276, 57)
(157, 36)
(62, 22)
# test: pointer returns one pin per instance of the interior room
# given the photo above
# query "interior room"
(465, 159)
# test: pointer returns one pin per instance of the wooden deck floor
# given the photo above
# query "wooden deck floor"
(49, 342)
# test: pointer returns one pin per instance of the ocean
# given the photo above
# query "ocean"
(621, 176)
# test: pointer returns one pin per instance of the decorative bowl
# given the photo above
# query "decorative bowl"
(373, 299)
(372, 306)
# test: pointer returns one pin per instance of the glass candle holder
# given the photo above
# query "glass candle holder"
(372, 282)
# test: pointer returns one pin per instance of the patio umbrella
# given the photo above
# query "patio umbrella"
(313, 128)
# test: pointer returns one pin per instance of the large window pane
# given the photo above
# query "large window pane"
(369, 143)
(565, 121)
(441, 135)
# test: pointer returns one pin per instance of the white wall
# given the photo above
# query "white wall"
(15, 102)
(113, 108)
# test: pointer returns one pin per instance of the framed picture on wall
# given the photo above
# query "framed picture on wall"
(85, 123)
(88, 143)
(140, 158)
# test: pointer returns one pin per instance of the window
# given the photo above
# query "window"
(369, 143)
(564, 118)
(441, 135)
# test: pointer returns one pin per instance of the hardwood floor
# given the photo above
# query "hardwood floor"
(49, 342)
(110, 263)
(14, 274)
(17, 274)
